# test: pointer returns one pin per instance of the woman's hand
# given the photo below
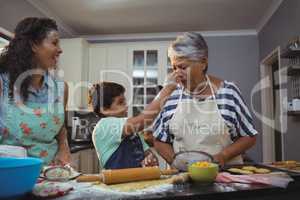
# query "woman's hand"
(174, 78)
(235, 149)
(150, 160)
(171, 79)
(220, 158)
(62, 157)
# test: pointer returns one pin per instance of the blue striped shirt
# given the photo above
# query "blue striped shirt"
(230, 104)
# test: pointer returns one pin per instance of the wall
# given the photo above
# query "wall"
(235, 58)
(283, 25)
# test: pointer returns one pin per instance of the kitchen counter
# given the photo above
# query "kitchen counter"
(211, 191)
(78, 146)
(229, 191)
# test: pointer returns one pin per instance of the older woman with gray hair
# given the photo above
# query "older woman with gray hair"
(204, 113)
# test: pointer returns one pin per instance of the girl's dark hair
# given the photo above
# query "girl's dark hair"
(18, 56)
(104, 94)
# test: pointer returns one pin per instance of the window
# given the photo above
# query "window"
(145, 78)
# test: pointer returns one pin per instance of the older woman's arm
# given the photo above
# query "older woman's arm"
(165, 150)
(237, 148)
(244, 128)
(63, 155)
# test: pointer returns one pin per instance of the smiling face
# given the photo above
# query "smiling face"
(47, 51)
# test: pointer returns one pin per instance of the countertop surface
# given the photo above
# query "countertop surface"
(207, 191)
(78, 146)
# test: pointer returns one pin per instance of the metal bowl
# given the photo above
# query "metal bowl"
(57, 173)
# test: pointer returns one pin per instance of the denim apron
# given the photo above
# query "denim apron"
(129, 154)
(34, 126)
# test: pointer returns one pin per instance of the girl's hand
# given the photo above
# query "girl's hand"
(150, 160)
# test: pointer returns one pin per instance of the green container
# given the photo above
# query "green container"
(204, 174)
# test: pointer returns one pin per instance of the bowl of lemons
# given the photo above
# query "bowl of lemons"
(203, 171)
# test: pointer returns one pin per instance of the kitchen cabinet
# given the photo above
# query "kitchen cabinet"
(150, 56)
(97, 62)
(292, 56)
(74, 68)
(144, 63)
(108, 62)
(138, 66)
(148, 64)
(290, 93)
(116, 66)
(85, 161)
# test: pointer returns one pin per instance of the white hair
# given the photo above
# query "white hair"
(190, 45)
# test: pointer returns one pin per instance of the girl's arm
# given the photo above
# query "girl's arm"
(136, 124)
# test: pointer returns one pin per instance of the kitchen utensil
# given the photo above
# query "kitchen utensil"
(203, 174)
(183, 159)
(126, 175)
(80, 130)
(141, 185)
(18, 175)
(59, 173)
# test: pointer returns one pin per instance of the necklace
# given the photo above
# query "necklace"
(198, 92)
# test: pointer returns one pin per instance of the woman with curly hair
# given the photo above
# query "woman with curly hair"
(32, 100)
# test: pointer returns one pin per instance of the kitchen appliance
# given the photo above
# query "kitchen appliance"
(80, 130)
(82, 126)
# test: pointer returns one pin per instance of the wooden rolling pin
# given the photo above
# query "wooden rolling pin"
(126, 175)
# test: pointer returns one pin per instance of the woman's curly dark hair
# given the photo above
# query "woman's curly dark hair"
(18, 56)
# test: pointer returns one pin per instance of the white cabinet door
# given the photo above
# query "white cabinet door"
(117, 67)
(147, 65)
(116, 62)
(74, 63)
(108, 62)
(97, 58)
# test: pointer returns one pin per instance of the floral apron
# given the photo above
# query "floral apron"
(34, 126)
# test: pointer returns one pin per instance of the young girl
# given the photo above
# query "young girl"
(114, 137)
